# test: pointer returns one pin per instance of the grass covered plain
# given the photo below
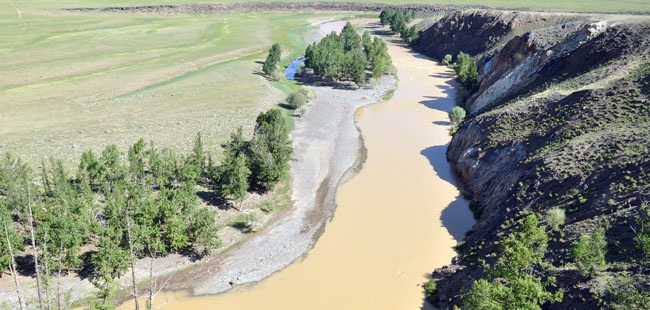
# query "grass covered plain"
(550, 5)
(74, 81)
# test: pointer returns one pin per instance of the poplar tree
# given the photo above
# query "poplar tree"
(272, 60)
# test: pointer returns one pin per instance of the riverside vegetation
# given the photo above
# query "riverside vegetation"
(114, 212)
(347, 56)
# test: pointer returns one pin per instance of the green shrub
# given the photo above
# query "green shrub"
(308, 93)
(589, 252)
(447, 61)
(555, 217)
(457, 115)
(296, 100)
(254, 221)
(466, 70)
(431, 291)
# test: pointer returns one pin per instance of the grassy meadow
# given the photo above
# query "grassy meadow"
(72, 81)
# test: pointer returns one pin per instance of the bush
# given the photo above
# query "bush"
(296, 100)
(555, 217)
(254, 221)
(457, 115)
(589, 252)
(466, 70)
(447, 60)
(309, 94)
(431, 291)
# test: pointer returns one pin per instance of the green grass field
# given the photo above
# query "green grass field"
(74, 81)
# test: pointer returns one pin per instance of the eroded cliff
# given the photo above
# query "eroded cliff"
(560, 118)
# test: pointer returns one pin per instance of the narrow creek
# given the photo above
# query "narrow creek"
(396, 220)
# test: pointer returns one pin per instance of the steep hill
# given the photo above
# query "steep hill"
(560, 118)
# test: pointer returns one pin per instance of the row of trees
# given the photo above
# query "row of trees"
(121, 207)
(348, 56)
(398, 21)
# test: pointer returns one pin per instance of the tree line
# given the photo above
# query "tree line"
(398, 21)
(347, 56)
(119, 207)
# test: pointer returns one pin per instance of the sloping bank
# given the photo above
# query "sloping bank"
(559, 120)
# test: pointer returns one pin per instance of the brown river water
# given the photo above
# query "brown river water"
(396, 220)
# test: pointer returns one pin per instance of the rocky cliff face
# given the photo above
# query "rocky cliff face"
(560, 118)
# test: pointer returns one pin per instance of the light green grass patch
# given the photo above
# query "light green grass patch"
(74, 81)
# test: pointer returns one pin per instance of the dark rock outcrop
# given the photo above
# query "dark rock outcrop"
(560, 118)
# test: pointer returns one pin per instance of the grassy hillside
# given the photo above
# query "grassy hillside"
(75, 81)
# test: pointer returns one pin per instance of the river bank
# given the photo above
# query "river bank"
(396, 219)
(326, 146)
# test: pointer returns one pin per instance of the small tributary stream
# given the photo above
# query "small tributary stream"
(396, 220)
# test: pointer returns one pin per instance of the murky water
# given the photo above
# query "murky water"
(396, 220)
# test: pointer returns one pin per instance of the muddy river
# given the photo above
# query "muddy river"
(396, 220)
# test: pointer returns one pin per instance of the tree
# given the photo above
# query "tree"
(366, 41)
(589, 252)
(270, 149)
(466, 70)
(523, 250)
(17, 185)
(484, 294)
(351, 39)
(9, 243)
(136, 156)
(110, 262)
(512, 282)
(380, 61)
(357, 67)
(272, 60)
(386, 16)
(233, 175)
(409, 34)
(90, 169)
(628, 292)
